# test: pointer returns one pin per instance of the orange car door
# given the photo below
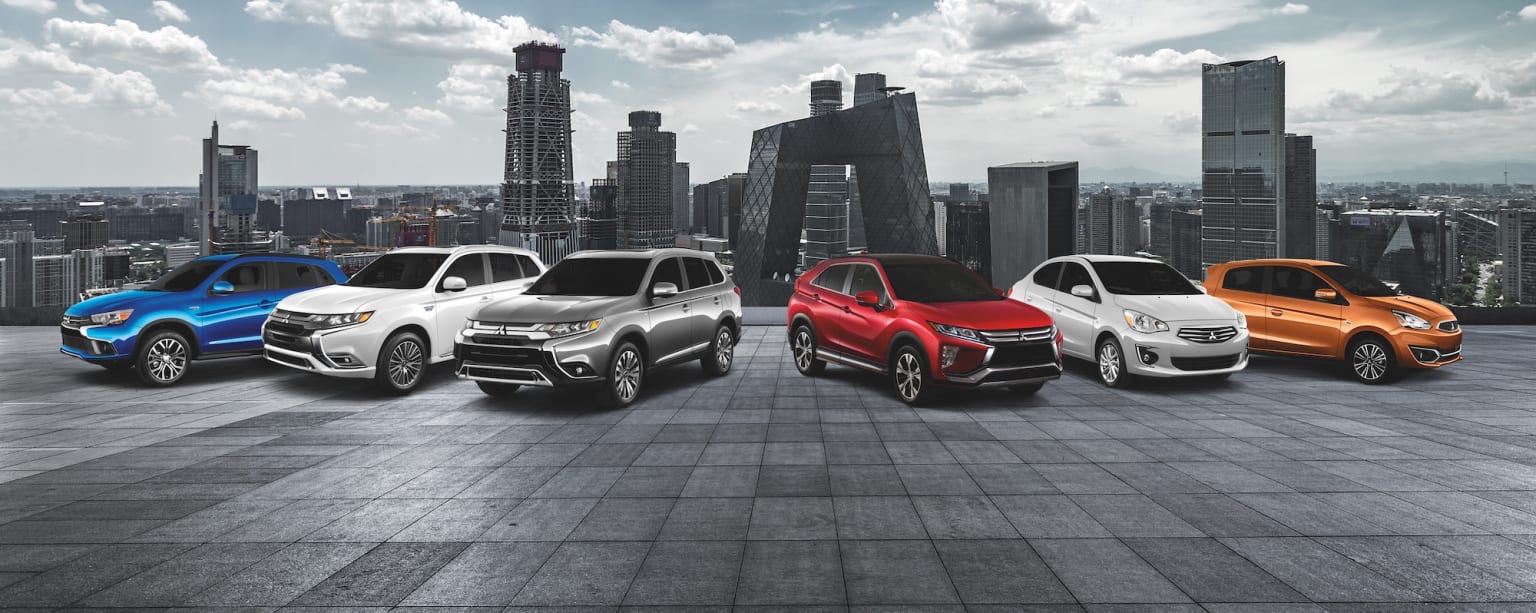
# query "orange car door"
(1243, 289)
(1298, 322)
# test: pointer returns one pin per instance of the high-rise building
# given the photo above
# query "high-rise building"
(700, 204)
(135, 224)
(601, 221)
(1184, 243)
(176, 255)
(1100, 211)
(968, 236)
(1243, 177)
(682, 213)
(1300, 206)
(228, 170)
(826, 198)
(1405, 247)
(961, 192)
(86, 232)
(307, 218)
(269, 215)
(941, 225)
(1517, 230)
(1160, 228)
(1326, 233)
(538, 189)
(1032, 213)
(646, 156)
(721, 207)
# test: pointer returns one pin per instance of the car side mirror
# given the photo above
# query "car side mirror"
(867, 299)
(221, 288)
(1325, 295)
(1000, 291)
(455, 284)
(664, 290)
(1083, 291)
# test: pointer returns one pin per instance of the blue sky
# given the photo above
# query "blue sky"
(117, 92)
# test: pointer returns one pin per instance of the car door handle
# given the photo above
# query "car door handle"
(847, 309)
(816, 297)
(1276, 312)
(717, 300)
(485, 298)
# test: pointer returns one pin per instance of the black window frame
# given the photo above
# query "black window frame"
(682, 278)
(1056, 278)
(321, 277)
(842, 284)
(1062, 287)
(1272, 288)
(530, 268)
(883, 291)
(490, 260)
(716, 275)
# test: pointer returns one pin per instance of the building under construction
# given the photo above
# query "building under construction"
(646, 155)
(538, 190)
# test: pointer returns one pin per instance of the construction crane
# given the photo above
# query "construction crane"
(326, 239)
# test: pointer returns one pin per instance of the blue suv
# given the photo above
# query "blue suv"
(211, 307)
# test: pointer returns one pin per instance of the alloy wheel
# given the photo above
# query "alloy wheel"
(1109, 363)
(167, 359)
(405, 363)
(804, 351)
(626, 375)
(1370, 361)
(725, 350)
(909, 376)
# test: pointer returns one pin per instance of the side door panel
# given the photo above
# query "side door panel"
(1298, 322)
(232, 322)
(1243, 288)
(671, 321)
(452, 308)
(866, 329)
(1074, 315)
(826, 305)
(1040, 291)
(704, 302)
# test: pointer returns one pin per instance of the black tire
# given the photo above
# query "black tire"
(402, 363)
(722, 352)
(626, 375)
(1110, 360)
(1026, 389)
(802, 347)
(163, 358)
(497, 390)
(1371, 360)
(909, 375)
(117, 366)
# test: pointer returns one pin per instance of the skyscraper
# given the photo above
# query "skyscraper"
(1300, 208)
(85, 232)
(601, 220)
(1184, 243)
(1406, 247)
(1243, 178)
(1032, 212)
(682, 217)
(1517, 232)
(826, 199)
(645, 159)
(538, 189)
(968, 237)
(228, 170)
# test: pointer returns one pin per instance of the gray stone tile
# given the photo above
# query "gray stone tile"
(918, 452)
(483, 575)
(1435, 575)
(292, 522)
(1082, 479)
(383, 576)
(670, 454)
(1134, 515)
(1209, 572)
(732, 454)
(871, 480)
(687, 573)
(37, 558)
(877, 517)
(1105, 571)
(85, 575)
(624, 519)
(791, 573)
(181, 577)
(650, 481)
(895, 572)
(1309, 516)
(937, 480)
(793, 481)
(580, 482)
(721, 482)
(540, 519)
(1049, 517)
(584, 574)
(1507, 559)
(708, 519)
(510, 482)
(802, 518)
(998, 571)
(1220, 515)
(962, 517)
(1318, 572)
(866, 452)
(281, 577)
(458, 520)
(375, 521)
(1009, 479)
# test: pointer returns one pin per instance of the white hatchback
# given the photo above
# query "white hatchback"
(1136, 317)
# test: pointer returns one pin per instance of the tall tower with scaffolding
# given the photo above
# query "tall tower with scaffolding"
(538, 191)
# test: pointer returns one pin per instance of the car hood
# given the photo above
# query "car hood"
(548, 309)
(982, 314)
(1179, 307)
(113, 302)
(1431, 311)
(338, 299)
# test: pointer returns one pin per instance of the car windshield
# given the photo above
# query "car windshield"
(186, 277)
(592, 277)
(1143, 279)
(399, 271)
(937, 281)
(1356, 282)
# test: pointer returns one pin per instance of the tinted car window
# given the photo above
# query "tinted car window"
(592, 277)
(668, 271)
(471, 267)
(715, 274)
(399, 271)
(246, 277)
(185, 277)
(1073, 275)
(832, 278)
(530, 269)
(1250, 279)
(1142, 279)
(866, 279)
(1047, 275)
(698, 275)
(1357, 282)
(294, 275)
(1295, 283)
(937, 280)
(504, 267)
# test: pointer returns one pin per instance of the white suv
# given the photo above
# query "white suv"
(396, 316)
(1134, 316)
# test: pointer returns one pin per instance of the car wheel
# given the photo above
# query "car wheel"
(722, 352)
(1371, 360)
(909, 375)
(163, 358)
(626, 373)
(802, 345)
(1112, 363)
(1027, 389)
(402, 363)
(498, 390)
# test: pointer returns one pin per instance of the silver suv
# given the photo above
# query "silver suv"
(605, 318)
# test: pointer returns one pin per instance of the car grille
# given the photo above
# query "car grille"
(1023, 354)
(1220, 334)
(75, 340)
(1026, 335)
(498, 355)
(292, 337)
(75, 321)
(1449, 325)
(1217, 362)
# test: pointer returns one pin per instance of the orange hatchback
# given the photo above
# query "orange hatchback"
(1328, 310)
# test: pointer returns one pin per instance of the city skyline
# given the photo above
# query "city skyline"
(115, 96)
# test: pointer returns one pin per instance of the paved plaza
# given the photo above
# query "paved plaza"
(1288, 488)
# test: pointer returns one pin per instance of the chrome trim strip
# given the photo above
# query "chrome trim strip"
(848, 360)
(540, 379)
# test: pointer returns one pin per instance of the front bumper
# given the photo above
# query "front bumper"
(1426, 348)
(1002, 365)
(523, 358)
(96, 343)
(342, 352)
(1165, 354)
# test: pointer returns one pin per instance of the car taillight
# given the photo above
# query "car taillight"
(738, 291)
(1008, 293)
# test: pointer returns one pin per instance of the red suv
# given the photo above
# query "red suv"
(920, 320)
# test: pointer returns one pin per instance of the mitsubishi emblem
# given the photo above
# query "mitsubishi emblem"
(1213, 336)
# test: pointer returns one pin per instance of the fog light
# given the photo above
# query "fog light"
(947, 355)
(577, 369)
(1146, 354)
(344, 360)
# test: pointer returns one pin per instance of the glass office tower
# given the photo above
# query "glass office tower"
(1243, 179)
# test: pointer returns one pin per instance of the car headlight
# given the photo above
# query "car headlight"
(1142, 322)
(339, 320)
(569, 328)
(111, 318)
(1410, 321)
(1242, 321)
(957, 332)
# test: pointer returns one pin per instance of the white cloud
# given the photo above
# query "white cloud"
(1528, 13)
(36, 6)
(1047, 111)
(424, 115)
(759, 108)
(241, 125)
(91, 9)
(1098, 95)
(1517, 77)
(167, 47)
(255, 107)
(1292, 8)
(1182, 122)
(389, 129)
(689, 128)
(995, 24)
(617, 84)
(1165, 63)
(580, 98)
(168, 11)
(434, 27)
(93, 86)
(1105, 139)
(367, 104)
(473, 87)
(276, 93)
(663, 46)
(1411, 92)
